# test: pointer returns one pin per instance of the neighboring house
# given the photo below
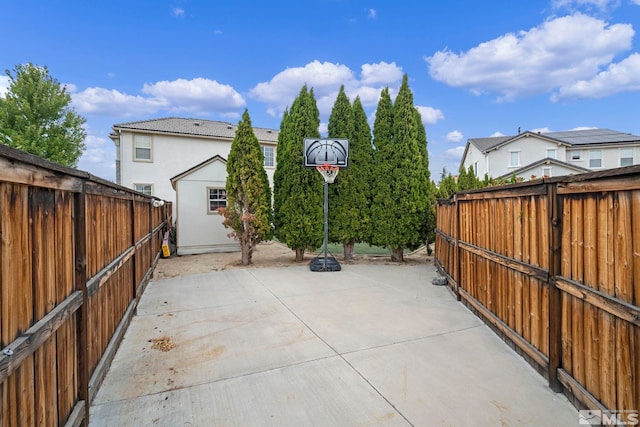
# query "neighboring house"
(200, 191)
(531, 154)
(151, 152)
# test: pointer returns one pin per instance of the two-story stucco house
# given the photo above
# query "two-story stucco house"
(184, 161)
(150, 152)
(532, 154)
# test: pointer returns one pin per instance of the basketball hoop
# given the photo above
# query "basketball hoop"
(329, 172)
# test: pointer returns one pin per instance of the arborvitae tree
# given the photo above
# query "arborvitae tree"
(447, 187)
(248, 211)
(429, 222)
(349, 201)
(298, 201)
(400, 217)
(382, 201)
(468, 179)
(35, 117)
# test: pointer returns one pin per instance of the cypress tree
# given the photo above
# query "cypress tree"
(248, 211)
(298, 199)
(401, 173)
(349, 219)
(382, 201)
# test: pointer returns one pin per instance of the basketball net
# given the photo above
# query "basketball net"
(329, 172)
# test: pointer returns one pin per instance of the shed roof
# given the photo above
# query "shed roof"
(195, 127)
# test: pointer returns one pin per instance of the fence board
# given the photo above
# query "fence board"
(46, 258)
(557, 271)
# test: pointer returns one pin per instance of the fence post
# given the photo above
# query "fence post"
(555, 302)
(456, 250)
(82, 321)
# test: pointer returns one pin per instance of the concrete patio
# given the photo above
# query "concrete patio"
(370, 345)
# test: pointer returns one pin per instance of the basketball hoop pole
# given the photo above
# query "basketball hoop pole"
(326, 223)
(329, 173)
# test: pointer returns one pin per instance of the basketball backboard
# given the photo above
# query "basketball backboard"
(326, 151)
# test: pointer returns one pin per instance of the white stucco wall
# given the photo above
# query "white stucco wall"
(530, 149)
(198, 230)
(171, 155)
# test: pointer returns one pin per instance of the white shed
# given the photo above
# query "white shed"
(200, 191)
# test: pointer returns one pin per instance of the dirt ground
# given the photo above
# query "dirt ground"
(267, 254)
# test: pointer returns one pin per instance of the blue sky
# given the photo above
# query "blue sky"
(476, 69)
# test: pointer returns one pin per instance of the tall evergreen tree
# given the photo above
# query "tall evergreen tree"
(447, 187)
(429, 222)
(248, 211)
(298, 198)
(382, 201)
(401, 174)
(349, 218)
(35, 116)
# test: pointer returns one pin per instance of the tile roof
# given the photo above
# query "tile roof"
(197, 127)
(571, 138)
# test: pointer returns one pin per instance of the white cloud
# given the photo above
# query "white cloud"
(429, 115)
(373, 14)
(284, 87)
(4, 85)
(497, 133)
(198, 96)
(101, 101)
(178, 12)
(326, 78)
(380, 73)
(94, 149)
(636, 2)
(623, 76)
(454, 154)
(455, 136)
(553, 55)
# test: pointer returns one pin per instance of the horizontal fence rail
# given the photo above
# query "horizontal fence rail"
(76, 253)
(553, 266)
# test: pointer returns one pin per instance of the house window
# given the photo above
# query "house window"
(595, 159)
(217, 198)
(475, 168)
(268, 156)
(626, 156)
(576, 155)
(546, 172)
(552, 153)
(514, 158)
(144, 188)
(142, 148)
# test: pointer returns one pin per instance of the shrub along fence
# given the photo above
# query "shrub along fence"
(553, 265)
(76, 253)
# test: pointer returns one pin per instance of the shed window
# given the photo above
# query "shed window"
(217, 198)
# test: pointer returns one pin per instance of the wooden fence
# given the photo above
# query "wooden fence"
(76, 253)
(553, 266)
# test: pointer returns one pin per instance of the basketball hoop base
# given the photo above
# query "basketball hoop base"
(319, 264)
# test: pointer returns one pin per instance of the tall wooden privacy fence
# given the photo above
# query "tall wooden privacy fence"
(76, 253)
(554, 267)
